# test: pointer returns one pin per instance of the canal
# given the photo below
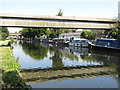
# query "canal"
(58, 66)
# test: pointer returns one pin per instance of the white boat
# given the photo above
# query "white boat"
(79, 42)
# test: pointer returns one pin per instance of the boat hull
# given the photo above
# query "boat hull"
(105, 49)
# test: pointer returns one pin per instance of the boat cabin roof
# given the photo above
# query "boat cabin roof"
(109, 42)
(58, 39)
(105, 39)
(79, 39)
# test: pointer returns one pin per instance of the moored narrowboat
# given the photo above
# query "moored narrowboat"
(79, 42)
(106, 44)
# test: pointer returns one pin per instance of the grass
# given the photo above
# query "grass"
(3, 43)
(9, 63)
(10, 69)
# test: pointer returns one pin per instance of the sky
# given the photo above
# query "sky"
(78, 8)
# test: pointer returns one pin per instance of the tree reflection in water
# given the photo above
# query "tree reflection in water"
(58, 55)
(64, 53)
(57, 60)
(36, 51)
(88, 58)
(39, 52)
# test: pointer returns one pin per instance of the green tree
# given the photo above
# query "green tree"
(87, 34)
(4, 33)
(66, 30)
(52, 35)
(56, 31)
(115, 31)
(60, 13)
(32, 32)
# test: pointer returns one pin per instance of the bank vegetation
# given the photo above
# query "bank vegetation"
(10, 68)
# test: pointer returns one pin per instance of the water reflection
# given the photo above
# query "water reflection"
(42, 55)
(34, 50)
(61, 56)
(57, 60)
(64, 52)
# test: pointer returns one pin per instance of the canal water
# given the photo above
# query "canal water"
(52, 59)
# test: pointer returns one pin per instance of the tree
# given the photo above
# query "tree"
(56, 31)
(115, 31)
(32, 32)
(4, 33)
(87, 34)
(52, 35)
(60, 13)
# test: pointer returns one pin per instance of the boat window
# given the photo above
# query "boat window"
(100, 43)
(76, 41)
(107, 43)
(84, 41)
(104, 43)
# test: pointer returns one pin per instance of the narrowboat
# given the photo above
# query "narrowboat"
(58, 40)
(79, 42)
(106, 44)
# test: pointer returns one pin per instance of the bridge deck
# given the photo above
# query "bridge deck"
(56, 22)
(59, 17)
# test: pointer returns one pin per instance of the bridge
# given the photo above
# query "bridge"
(56, 22)
(41, 75)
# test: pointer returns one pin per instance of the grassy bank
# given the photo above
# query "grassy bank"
(6, 42)
(10, 69)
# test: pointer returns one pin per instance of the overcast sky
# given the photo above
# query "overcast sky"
(79, 8)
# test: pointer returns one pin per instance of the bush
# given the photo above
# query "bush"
(3, 36)
(115, 31)
(87, 34)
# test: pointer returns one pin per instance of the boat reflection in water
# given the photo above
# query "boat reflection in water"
(42, 63)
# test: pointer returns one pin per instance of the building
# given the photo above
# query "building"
(68, 36)
(14, 35)
(119, 10)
